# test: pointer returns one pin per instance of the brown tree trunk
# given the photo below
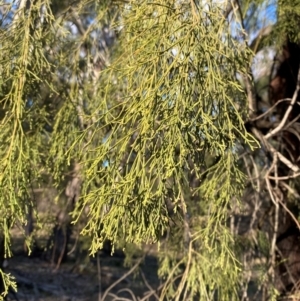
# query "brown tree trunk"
(58, 243)
(283, 86)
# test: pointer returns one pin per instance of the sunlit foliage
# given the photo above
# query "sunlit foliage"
(144, 99)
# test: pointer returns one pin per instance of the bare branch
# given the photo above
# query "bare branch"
(268, 146)
(288, 111)
(276, 216)
(262, 33)
(290, 213)
(290, 189)
(148, 285)
(293, 176)
(287, 162)
(270, 109)
(122, 278)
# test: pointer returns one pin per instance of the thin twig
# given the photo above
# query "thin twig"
(121, 278)
(288, 111)
(128, 291)
(287, 162)
(185, 274)
(290, 189)
(258, 188)
(286, 267)
(99, 277)
(268, 146)
(270, 109)
(293, 176)
(290, 213)
(292, 122)
(276, 216)
(150, 293)
(74, 246)
(117, 298)
(148, 285)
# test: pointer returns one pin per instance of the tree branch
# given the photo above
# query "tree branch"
(288, 111)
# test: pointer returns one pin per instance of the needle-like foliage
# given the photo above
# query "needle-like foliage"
(139, 117)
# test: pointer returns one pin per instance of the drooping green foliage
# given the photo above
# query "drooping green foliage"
(179, 102)
(153, 123)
